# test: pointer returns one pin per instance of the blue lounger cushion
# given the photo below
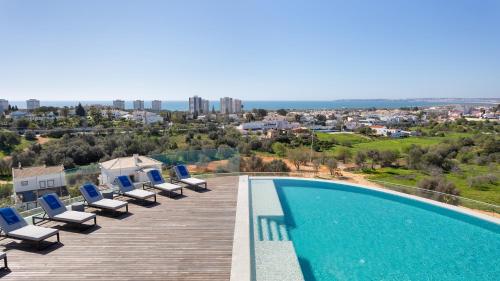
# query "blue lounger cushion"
(9, 216)
(125, 181)
(52, 201)
(156, 177)
(183, 171)
(91, 190)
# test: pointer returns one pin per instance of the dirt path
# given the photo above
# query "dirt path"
(42, 140)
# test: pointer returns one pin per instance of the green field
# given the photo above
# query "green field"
(343, 138)
(398, 144)
(359, 142)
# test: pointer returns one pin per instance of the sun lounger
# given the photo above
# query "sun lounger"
(14, 226)
(183, 176)
(94, 199)
(156, 181)
(128, 189)
(55, 210)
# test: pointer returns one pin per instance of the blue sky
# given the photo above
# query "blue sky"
(254, 50)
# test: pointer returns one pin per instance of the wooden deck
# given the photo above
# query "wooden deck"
(185, 239)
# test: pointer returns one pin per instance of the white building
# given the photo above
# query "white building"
(351, 125)
(119, 104)
(268, 125)
(226, 105)
(134, 166)
(156, 105)
(4, 105)
(198, 105)
(32, 104)
(379, 130)
(230, 106)
(146, 117)
(393, 133)
(195, 105)
(114, 113)
(32, 182)
(138, 105)
(49, 116)
(237, 106)
(205, 107)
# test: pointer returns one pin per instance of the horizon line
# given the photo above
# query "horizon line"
(273, 100)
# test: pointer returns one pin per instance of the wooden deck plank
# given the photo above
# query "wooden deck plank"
(185, 239)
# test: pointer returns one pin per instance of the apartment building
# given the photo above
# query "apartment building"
(4, 105)
(198, 105)
(230, 106)
(138, 105)
(119, 104)
(32, 104)
(156, 105)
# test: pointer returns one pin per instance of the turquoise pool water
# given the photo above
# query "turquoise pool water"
(342, 232)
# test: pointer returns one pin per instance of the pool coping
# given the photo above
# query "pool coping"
(241, 264)
(240, 261)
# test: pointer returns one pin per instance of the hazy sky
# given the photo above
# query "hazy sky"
(254, 50)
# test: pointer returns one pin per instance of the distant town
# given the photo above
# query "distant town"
(383, 121)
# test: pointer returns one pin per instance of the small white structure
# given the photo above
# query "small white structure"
(133, 166)
(379, 130)
(270, 124)
(393, 133)
(145, 117)
(31, 182)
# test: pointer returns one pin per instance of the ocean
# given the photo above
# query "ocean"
(272, 105)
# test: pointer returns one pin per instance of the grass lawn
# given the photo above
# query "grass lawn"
(489, 193)
(357, 142)
(403, 143)
(397, 144)
(344, 138)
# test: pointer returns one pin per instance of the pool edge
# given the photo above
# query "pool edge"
(240, 261)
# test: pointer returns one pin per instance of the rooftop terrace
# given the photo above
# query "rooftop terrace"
(186, 238)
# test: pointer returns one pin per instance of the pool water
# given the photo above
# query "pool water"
(343, 232)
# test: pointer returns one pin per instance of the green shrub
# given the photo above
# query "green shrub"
(276, 166)
(5, 190)
(481, 181)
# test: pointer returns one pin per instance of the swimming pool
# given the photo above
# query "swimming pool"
(319, 230)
